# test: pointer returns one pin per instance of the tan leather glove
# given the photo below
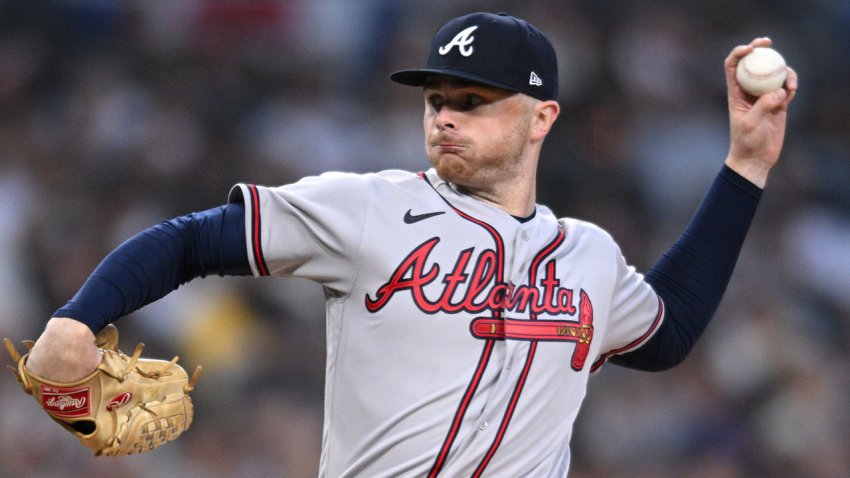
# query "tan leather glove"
(128, 405)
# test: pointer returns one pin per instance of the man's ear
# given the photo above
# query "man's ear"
(545, 114)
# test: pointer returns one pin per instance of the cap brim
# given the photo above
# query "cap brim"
(418, 77)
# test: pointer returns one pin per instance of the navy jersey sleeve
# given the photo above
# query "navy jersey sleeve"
(692, 275)
(158, 260)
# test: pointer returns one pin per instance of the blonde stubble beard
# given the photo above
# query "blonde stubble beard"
(502, 162)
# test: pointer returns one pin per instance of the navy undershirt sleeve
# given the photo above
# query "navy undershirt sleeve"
(692, 275)
(160, 259)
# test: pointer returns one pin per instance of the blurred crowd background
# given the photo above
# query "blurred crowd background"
(115, 115)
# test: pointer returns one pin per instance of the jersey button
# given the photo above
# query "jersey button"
(524, 235)
(483, 425)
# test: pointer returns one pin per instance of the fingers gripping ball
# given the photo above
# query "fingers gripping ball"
(128, 405)
(762, 71)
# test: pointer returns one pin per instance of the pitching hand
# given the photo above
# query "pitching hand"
(757, 123)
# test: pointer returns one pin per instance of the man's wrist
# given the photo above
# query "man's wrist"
(749, 170)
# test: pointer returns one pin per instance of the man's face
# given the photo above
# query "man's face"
(475, 135)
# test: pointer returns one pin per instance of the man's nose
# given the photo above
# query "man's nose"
(446, 118)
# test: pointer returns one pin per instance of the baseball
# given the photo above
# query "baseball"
(762, 71)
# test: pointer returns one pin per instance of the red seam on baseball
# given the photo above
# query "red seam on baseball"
(763, 76)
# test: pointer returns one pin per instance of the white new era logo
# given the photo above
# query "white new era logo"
(463, 40)
(535, 80)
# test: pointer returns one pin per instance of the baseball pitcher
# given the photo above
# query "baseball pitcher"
(463, 318)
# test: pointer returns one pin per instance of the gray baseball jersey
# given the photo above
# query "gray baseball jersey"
(459, 339)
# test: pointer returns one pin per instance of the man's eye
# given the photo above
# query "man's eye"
(435, 101)
(473, 101)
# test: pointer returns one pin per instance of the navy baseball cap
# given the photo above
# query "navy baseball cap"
(494, 49)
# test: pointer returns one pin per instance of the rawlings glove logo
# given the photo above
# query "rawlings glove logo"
(119, 401)
(64, 402)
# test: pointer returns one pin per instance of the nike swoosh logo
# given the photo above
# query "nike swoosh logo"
(410, 218)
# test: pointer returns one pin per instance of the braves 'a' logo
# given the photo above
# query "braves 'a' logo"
(462, 40)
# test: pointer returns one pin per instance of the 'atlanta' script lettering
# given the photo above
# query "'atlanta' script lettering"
(480, 293)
